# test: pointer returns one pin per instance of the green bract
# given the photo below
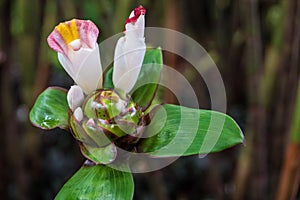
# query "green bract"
(109, 117)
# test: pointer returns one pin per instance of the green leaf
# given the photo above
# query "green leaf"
(98, 182)
(150, 74)
(108, 83)
(181, 131)
(50, 109)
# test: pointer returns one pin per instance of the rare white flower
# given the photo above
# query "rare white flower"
(130, 51)
(78, 52)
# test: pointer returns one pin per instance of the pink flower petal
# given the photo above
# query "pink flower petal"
(88, 32)
(63, 36)
(57, 43)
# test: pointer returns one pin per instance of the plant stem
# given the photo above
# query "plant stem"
(290, 174)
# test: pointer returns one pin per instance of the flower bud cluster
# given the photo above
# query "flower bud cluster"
(106, 119)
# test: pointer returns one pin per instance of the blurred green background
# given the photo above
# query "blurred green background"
(255, 44)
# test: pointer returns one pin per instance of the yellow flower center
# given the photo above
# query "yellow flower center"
(68, 31)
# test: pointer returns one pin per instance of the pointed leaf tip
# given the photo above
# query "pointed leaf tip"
(183, 134)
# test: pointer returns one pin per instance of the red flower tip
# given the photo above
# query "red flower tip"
(137, 12)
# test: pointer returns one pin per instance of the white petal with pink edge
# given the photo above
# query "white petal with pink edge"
(78, 52)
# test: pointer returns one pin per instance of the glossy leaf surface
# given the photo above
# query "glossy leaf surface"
(50, 109)
(108, 83)
(181, 131)
(98, 182)
(149, 77)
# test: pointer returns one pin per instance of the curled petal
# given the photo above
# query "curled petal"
(88, 33)
(75, 97)
(78, 52)
(57, 43)
(130, 51)
(84, 32)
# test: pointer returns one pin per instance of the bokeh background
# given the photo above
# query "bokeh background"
(255, 44)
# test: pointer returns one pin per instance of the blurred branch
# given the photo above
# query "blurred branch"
(122, 12)
(171, 21)
(255, 154)
(48, 19)
(283, 100)
(290, 173)
(66, 10)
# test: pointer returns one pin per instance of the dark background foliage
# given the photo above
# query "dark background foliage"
(255, 44)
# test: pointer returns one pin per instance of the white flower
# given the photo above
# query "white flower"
(75, 42)
(130, 51)
(78, 52)
(75, 97)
